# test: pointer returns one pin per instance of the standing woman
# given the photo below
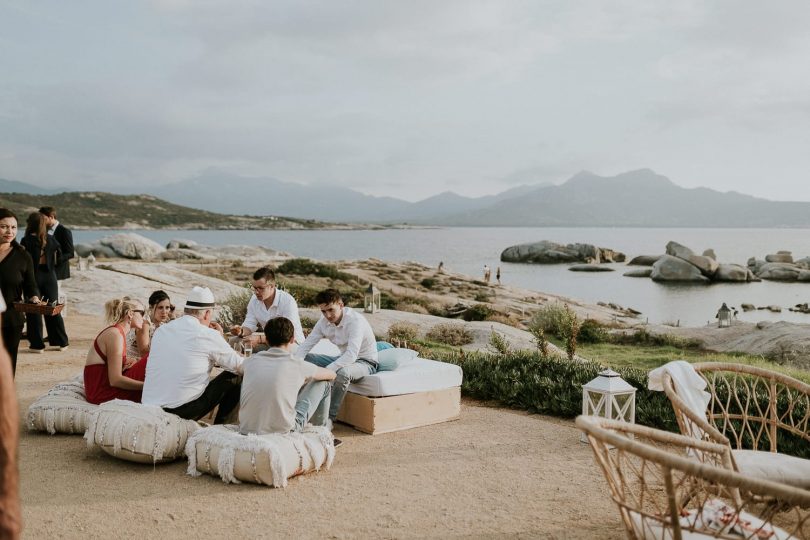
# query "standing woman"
(44, 251)
(16, 278)
(106, 375)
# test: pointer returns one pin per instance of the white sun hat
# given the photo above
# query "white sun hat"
(200, 298)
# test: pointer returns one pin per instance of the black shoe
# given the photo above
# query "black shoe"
(337, 442)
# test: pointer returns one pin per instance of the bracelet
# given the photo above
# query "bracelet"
(241, 331)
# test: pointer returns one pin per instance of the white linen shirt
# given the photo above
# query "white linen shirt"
(353, 336)
(284, 305)
(181, 357)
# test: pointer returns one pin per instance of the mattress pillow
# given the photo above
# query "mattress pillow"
(382, 345)
(260, 459)
(391, 359)
(63, 409)
(139, 433)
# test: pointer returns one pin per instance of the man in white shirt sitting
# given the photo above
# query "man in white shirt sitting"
(267, 303)
(281, 393)
(181, 357)
(352, 334)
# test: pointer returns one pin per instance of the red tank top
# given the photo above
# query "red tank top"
(97, 386)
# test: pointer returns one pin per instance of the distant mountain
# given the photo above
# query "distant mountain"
(12, 186)
(639, 198)
(83, 209)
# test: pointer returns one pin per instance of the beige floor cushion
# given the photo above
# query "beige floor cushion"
(260, 459)
(140, 433)
(63, 409)
(773, 466)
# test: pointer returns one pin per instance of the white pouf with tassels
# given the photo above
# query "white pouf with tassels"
(261, 459)
(64, 409)
(139, 433)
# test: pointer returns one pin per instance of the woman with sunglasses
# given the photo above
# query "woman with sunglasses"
(106, 375)
(161, 311)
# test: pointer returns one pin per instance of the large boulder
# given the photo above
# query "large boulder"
(545, 252)
(755, 264)
(589, 268)
(179, 243)
(779, 272)
(732, 272)
(780, 257)
(804, 276)
(706, 265)
(710, 254)
(670, 268)
(95, 249)
(132, 246)
(644, 260)
(675, 249)
(804, 263)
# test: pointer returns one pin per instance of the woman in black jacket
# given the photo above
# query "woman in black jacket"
(16, 278)
(44, 251)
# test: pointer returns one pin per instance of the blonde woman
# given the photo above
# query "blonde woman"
(106, 373)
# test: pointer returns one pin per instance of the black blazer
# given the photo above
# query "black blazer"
(33, 247)
(65, 238)
(16, 278)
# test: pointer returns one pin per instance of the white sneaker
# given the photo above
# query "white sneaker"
(36, 351)
(328, 425)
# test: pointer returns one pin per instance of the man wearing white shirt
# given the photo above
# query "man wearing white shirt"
(181, 357)
(267, 303)
(352, 334)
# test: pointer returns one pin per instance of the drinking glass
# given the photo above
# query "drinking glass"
(247, 348)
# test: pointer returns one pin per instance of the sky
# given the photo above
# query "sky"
(406, 99)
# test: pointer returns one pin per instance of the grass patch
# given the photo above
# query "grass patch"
(450, 334)
(308, 267)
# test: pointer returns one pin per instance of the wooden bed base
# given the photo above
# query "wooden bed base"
(396, 413)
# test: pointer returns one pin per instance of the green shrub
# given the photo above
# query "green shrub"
(498, 342)
(308, 267)
(233, 309)
(308, 323)
(402, 331)
(643, 337)
(551, 319)
(450, 334)
(478, 312)
(428, 283)
(482, 296)
(592, 332)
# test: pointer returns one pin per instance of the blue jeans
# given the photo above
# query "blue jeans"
(312, 404)
(345, 376)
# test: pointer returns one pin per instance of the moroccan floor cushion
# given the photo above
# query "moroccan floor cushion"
(261, 459)
(139, 433)
(63, 409)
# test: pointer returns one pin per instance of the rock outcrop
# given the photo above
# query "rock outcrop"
(124, 245)
(134, 246)
(589, 268)
(640, 272)
(643, 260)
(671, 268)
(545, 252)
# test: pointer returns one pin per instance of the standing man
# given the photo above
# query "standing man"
(10, 515)
(65, 238)
(280, 393)
(267, 303)
(352, 334)
(181, 357)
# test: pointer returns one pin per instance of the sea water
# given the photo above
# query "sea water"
(468, 249)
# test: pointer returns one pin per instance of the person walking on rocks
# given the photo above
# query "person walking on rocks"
(487, 274)
(498, 275)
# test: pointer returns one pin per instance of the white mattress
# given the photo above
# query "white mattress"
(418, 375)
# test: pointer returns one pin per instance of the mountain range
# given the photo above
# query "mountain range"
(639, 198)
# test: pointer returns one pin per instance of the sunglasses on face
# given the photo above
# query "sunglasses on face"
(141, 311)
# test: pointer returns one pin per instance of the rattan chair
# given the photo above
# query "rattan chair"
(751, 411)
(669, 486)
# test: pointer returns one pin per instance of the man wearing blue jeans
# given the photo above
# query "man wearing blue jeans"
(352, 334)
(281, 393)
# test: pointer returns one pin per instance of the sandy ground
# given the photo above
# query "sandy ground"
(494, 473)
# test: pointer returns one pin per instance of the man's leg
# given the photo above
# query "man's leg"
(320, 360)
(220, 391)
(312, 404)
(345, 376)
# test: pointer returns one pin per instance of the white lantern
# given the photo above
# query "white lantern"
(723, 316)
(609, 396)
(371, 300)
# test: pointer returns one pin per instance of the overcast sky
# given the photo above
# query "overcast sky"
(407, 98)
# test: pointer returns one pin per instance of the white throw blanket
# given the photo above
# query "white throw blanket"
(689, 386)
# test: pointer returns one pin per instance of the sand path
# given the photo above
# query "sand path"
(495, 473)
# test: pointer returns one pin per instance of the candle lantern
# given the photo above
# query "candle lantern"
(609, 396)
(371, 299)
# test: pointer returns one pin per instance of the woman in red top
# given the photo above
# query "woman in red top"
(107, 375)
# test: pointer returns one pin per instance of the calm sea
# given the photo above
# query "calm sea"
(466, 250)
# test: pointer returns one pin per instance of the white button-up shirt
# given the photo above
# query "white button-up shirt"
(181, 357)
(284, 305)
(353, 336)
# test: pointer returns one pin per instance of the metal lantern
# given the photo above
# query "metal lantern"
(723, 316)
(609, 396)
(371, 300)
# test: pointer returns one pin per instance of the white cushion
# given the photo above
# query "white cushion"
(64, 409)
(716, 518)
(391, 359)
(140, 433)
(260, 459)
(773, 466)
(418, 375)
